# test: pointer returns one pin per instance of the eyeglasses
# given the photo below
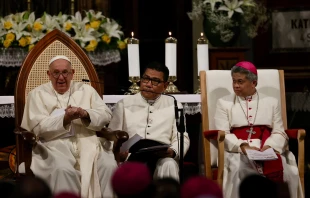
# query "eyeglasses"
(64, 74)
(154, 82)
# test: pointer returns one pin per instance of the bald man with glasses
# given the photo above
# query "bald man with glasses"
(151, 115)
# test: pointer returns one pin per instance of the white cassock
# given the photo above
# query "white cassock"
(70, 159)
(154, 121)
(233, 111)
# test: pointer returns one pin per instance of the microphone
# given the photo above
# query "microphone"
(86, 80)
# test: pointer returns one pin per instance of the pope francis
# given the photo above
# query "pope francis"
(65, 115)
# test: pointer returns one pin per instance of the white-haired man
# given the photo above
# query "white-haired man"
(65, 115)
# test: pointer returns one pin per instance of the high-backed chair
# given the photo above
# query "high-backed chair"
(218, 83)
(33, 73)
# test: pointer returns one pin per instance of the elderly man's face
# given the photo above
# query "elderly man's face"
(152, 82)
(242, 86)
(60, 73)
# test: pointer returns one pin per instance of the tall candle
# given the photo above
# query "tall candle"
(171, 55)
(133, 56)
(202, 54)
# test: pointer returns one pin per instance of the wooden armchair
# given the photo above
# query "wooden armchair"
(33, 73)
(216, 84)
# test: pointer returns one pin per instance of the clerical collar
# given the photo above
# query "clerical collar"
(249, 97)
(151, 102)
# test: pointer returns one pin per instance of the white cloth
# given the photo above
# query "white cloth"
(80, 163)
(156, 122)
(229, 114)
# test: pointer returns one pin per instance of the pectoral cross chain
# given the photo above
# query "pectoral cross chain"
(250, 131)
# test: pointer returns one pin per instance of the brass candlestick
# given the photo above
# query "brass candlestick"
(171, 87)
(72, 7)
(29, 5)
(134, 88)
(198, 91)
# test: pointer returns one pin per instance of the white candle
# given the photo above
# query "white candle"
(202, 54)
(133, 56)
(171, 55)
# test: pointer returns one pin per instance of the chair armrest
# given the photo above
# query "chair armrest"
(214, 135)
(25, 141)
(27, 136)
(299, 134)
(219, 136)
(116, 136)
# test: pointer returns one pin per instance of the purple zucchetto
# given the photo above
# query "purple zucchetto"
(131, 178)
(248, 66)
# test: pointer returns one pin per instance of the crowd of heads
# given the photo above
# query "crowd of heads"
(134, 180)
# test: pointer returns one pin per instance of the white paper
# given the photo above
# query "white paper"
(133, 60)
(203, 57)
(171, 58)
(266, 155)
(126, 145)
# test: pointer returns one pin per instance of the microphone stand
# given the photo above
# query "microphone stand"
(181, 130)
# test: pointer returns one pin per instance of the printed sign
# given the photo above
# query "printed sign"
(291, 30)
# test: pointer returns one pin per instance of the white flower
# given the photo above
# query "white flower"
(92, 15)
(83, 35)
(36, 36)
(50, 22)
(61, 18)
(231, 7)
(18, 30)
(31, 19)
(212, 3)
(78, 21)
(112, 29)
(19, 17)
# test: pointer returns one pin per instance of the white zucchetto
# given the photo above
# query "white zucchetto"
(59, 57)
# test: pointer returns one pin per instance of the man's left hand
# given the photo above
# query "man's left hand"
(168, 153)
(264, 148)
(267, 147)
(83, 113)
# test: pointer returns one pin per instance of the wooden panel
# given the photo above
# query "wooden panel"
(225, 58)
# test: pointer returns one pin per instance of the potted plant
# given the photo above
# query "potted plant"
(100, 37)
(224, 19)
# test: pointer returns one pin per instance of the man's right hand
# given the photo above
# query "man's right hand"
(123, 156)
(245, 146)
(71, 113)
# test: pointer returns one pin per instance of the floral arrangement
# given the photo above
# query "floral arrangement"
(92, 32)
(251, 15)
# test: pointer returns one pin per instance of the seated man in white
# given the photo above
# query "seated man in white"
(65, 115)
(151, 115)
(253, 120)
